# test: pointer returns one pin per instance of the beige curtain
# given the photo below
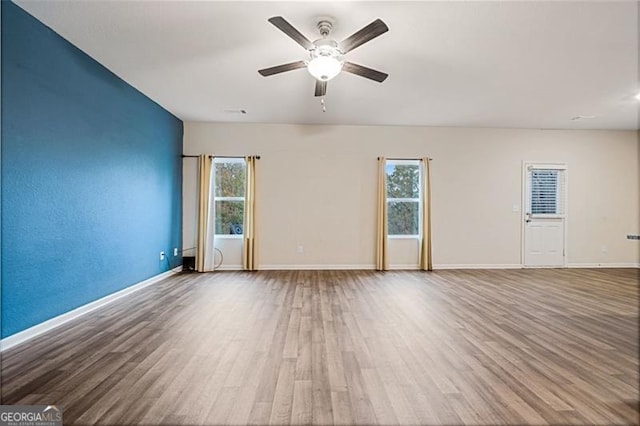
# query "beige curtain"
(250, 253)
(204, 179)
(425, 252)
(382, 250)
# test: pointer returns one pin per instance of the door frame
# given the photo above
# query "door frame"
(547, 165)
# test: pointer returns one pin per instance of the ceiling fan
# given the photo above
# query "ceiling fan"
(326, 56)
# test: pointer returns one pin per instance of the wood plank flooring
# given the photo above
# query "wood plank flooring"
(346, 347)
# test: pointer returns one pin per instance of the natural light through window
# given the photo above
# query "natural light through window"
(403, 198)
(229, 187)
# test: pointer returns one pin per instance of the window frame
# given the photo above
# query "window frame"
(561, 201)
(536, 187)
(214, 198)
(406, 200)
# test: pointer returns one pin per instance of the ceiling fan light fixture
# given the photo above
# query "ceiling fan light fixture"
(324, 68)
(326, 57)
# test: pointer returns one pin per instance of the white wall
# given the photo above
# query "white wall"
(317, 188)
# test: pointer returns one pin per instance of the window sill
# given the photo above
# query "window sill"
(404, 237)
(228, 237)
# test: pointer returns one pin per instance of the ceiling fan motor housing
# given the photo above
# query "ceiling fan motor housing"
(324, 27)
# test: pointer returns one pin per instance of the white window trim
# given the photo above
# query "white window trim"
(228, 236)
(228, 198)
(229, 160)
(546, 166)
(404, 162)
(560, 204)
(226, 160)
(408, 200)
(403, 200)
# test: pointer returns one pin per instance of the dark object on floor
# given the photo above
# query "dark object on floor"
(188, 264)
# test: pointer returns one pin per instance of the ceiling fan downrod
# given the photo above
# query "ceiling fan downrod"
(324, 27)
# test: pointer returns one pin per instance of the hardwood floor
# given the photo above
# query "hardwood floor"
(346, 347)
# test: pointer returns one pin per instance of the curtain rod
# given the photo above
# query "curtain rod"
(219, 156)
(430, 159)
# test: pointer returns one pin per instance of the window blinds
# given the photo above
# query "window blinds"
(546, 191)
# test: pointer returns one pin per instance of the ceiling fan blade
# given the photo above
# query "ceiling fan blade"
(282, 68)
(365, 72)
(284, 26)
(321, 88)
(366, 34)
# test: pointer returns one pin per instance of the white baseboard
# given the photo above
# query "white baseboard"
(370, 267)
(479, 266)
(315, 267)
(404, 268)
(518, 266)
(36, 330)
(604, 265)
(417, 268)
(229, 268)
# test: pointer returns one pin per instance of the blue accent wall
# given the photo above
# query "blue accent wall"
(91, 178)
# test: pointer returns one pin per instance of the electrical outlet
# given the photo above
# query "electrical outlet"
(161, 255)
(175, 251)
(300, 249)
(604, 249)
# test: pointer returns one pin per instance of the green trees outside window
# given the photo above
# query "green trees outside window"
(403, 197)
(230, 177)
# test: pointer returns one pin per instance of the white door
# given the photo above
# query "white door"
(544, 214)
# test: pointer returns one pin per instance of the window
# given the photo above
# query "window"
(229, 187)
(547, 191)
(403, 197)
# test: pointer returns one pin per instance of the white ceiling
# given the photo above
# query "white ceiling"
(475, 64)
